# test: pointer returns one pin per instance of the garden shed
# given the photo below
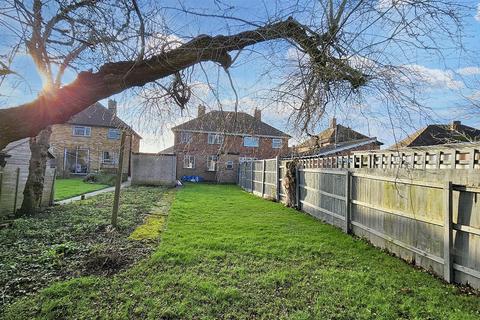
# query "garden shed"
(14, 162)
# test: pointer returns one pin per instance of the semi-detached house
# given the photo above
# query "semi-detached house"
(90, 141)
(213, 144)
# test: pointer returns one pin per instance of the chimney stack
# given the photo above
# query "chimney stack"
(333, 122)
(201, 111)
(257, 114)
(112, 106)
(456, 125)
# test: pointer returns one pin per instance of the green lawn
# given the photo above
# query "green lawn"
(75, 240)
(229, 255)
(67, 188)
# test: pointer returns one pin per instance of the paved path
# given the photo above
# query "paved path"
(93, 193)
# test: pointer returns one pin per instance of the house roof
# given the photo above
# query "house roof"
(169, 150)
(230, 122)
(435, 134)
(336, 134)
(98, 116)
(335, 148)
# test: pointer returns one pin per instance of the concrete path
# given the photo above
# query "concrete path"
(93, 193)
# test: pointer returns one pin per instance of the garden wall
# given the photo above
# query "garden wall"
(153, 169)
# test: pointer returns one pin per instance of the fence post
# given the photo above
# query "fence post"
(347, 202)
(17, 179)
(52, 191)
(251, 177)
(448, 234)
(1, 182)
(472, 159)
(277, 179)
(263, 178)
(118, 182)
(297, 187)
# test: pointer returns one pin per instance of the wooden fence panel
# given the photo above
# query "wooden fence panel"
(412, 215)
(322, 194)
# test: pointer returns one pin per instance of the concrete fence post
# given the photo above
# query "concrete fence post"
(17, 180)
(297, 187)
(347, 202)
(277, 179)
(252, 185)
(1, 182)
(52, 190)
(448, 234)
(263, 177)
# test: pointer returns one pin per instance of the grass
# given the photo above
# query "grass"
(226, 254)
(74, 240)
(68, 188)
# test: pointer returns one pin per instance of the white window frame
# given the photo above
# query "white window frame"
(87, 131)
(185, 137)
(277, 143)
(229, 165)
(189, 161)
(246, 159)
(111, 160)
(117, 133)
(251, 142)
(212, 163)
(215, 138)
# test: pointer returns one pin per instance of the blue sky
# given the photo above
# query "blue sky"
(449, 79)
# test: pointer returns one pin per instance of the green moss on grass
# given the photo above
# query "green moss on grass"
(150, 229)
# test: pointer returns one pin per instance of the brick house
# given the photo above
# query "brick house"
(213, 144)
(90, 141)
(336, 140)
(435, 134)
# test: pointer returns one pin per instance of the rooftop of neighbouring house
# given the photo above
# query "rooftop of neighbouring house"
(335, 134)
(332, 149)
(436, 134)
(98, 116)
(231, 122)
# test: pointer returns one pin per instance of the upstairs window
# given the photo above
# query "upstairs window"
(212, 163)
(215, 138)
(114, 134)
(277, 143)
(189, 162)
(186, 137)
(81, 131)
(250, 141)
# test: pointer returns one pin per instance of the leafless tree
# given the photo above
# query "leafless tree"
(60, 35)
(347, 50)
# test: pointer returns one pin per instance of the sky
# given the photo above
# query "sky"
(447, 80)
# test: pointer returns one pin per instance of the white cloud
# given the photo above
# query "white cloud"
(159, 43)
(477, 16)
(384, 5)
(435, 78)
(469, 71)
(475, 95)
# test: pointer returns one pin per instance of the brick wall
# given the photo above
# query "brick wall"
(231, 150)
(96, 143)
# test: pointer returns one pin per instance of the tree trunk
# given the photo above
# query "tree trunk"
(32, 194)
(289, 184)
